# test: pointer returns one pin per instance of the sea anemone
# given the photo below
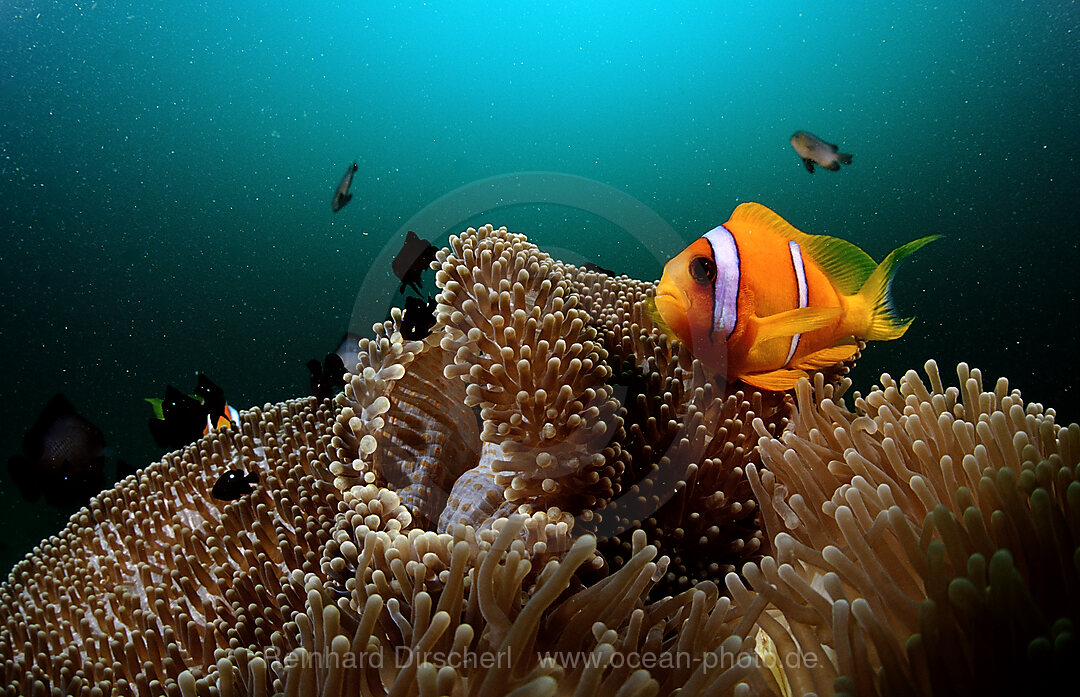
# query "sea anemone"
(928, 541)
(550, 496)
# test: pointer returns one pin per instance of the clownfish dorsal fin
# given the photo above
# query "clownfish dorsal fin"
(792, 322)
(845, 264)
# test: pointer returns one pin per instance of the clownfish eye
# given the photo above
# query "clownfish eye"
(703, 270)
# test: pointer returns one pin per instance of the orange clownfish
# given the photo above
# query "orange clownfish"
(759, 301)
(227, 419)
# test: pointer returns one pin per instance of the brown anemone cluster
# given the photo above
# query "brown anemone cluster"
(156, 577)
(535, 368)
(548, 496)
(927, 542)
(546, 389)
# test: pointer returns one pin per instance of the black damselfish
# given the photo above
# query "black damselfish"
(327, 378)
(409, 264)
(179, 418)
(589, 266)
(63, 457)
(418, 318)
(234, 484)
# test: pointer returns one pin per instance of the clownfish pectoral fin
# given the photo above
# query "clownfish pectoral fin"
(792, 322)
(654, 315)
(775, 380)
(827, 356)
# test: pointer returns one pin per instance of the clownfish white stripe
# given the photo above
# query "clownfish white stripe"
(800, 278)
(726, 288)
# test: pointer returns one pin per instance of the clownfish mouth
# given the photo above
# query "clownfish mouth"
(667, 303)
(669, 296)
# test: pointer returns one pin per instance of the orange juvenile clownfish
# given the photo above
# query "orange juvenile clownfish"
(757, 300)
(227, 419)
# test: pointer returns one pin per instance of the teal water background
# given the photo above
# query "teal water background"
(166, 172)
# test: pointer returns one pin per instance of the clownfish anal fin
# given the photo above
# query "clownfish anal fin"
(792, 322)
(775, 380)
(827, 357)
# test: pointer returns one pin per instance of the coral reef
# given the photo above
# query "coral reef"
(548, 496)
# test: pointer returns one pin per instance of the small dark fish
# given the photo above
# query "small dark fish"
(234, 484)
(342, 195)
(64, 457)
(327, 378)
(813, 149)
(179, 418)
(589, 266)
(418, 318)
(181, 421)
(409, 264)
(211, 396)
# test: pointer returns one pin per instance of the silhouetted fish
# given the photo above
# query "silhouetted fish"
(233, 485)
(64, 457)
(342, 195)
(589, 266)
(409, 264)
(418, 318)
(327, 378)
(211, 396)
(813, 149)
(179, 418)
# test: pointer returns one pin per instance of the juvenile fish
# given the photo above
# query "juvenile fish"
(342, 195)
(813, 149)
(234, 484)
(414, 258)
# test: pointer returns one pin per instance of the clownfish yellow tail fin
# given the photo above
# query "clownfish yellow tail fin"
(879, 323)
